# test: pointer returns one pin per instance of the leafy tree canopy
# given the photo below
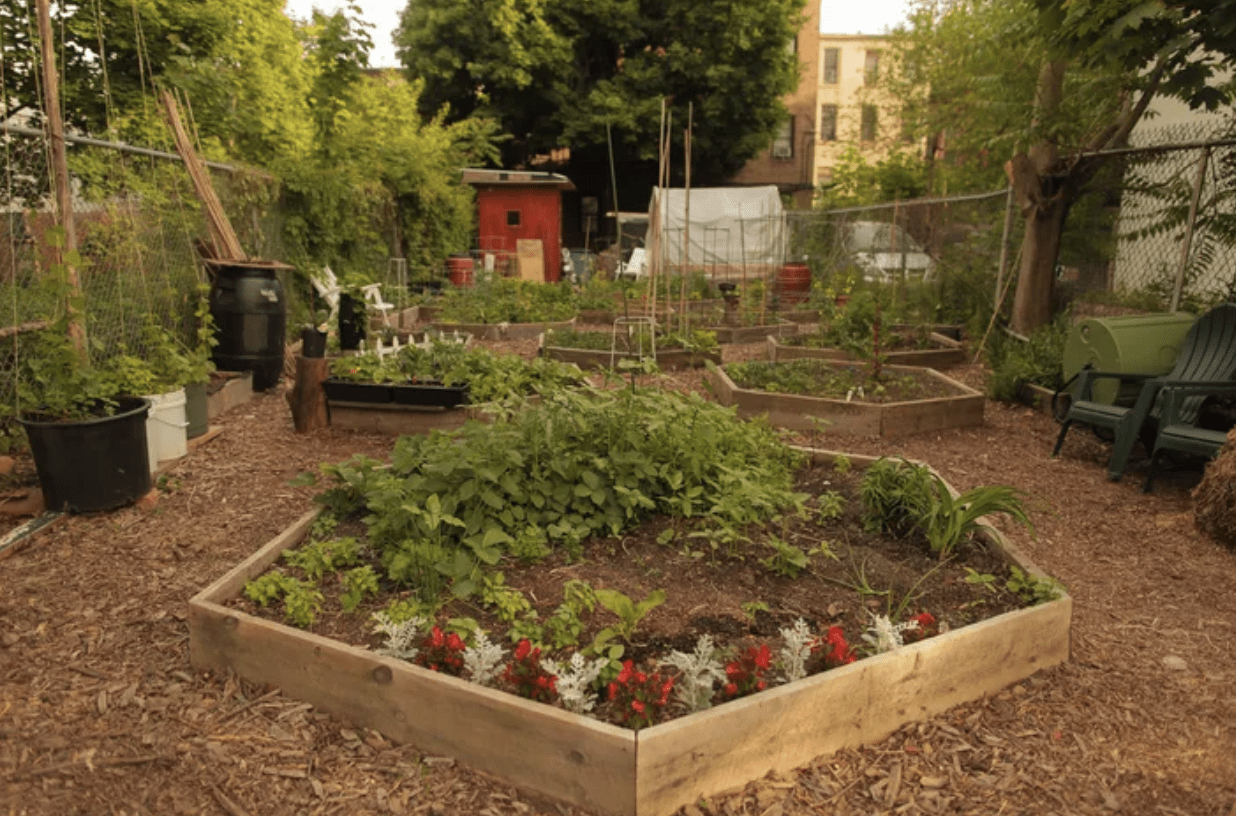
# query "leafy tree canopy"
(238, 60)
(557, 72)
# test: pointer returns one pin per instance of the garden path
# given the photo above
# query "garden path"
(100, 711)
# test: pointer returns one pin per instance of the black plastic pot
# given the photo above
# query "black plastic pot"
(351, 322)
(313, 343)
(92, 464)
(197, 410)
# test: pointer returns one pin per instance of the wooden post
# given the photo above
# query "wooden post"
(60, 174)
(1198, 181)
(306, 398)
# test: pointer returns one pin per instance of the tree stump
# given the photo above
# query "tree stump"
(307, 399)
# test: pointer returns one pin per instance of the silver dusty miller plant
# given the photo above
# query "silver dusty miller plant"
(399, 636)
(796, 651)
(885, 636)
(574, 681)
(483, 660)
(699, 670)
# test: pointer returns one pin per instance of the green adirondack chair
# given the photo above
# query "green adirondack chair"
(1178, 429)
(1208, 354)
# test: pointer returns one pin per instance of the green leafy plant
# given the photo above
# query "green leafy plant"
(899, 496)
(1032, 589)
(357, 583)
(628, 612)
(301, 603)
(951, 520)
(786, 560)
(320, 557)
(268, 588)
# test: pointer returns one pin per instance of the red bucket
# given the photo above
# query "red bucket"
(459, 267)
(795, 282)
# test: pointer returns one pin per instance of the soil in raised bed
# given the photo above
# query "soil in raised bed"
(724, 590)
(901, 340)
(817, 378)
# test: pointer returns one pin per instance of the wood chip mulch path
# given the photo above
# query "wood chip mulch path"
(101, 712)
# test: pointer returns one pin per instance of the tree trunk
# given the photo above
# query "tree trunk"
(1044, 201)
(1040, 247)
(306, 398)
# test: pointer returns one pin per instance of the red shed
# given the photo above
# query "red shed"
(520, 205)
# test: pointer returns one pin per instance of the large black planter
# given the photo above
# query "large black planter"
(92, 464)
(351, 322)
(250, 314)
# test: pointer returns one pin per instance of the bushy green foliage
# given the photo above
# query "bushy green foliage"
(1038, 360)
(581, 463)
(901, 497)
(816, 378)
(508, 300)
(490, 377)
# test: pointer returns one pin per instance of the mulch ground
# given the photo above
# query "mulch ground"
(101, 712)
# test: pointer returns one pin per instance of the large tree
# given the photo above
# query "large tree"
(1048, 87)
(239, 61)
(558, 72)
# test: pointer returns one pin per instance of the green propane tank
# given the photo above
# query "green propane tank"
(1130, 344)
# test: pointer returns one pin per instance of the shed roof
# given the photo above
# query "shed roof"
(516, 178)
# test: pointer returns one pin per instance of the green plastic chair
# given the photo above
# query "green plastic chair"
(1178, 429)
(1208, 354)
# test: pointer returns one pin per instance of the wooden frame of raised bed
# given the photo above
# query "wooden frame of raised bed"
(237, 389)
(599, 766)
(948, 352)
(504, 331)
(751, 334)
(855, 417)
(667, 359)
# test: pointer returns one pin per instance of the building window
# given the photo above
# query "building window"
(869, 124)
(828, 123)
(783, 142)
(512, 218)
(871, 68)
(832, 64)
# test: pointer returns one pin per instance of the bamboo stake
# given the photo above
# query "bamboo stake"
(683, 320)
(60, 176)
(220, 227)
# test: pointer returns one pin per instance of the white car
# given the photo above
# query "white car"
(885, 251)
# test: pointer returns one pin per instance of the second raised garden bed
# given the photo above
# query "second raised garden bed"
(945, 352)
(962, 407)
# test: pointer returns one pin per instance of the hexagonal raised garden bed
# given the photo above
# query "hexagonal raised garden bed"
(961, 407)
(944, 352)
(650, 772)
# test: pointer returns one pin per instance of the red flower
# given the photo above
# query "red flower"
(521, 651)
(731, 689)
(637, 706)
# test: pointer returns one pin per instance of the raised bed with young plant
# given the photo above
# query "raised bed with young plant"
(598, 349)
(872, 399)
(506, 308)
(633, 557)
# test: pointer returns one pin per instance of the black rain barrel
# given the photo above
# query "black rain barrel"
(92, 464)
(250, 314)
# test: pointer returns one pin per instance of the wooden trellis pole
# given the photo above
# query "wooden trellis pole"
(226, 242)
(60, 176)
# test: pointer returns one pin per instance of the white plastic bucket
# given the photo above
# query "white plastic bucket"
(166, 426)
